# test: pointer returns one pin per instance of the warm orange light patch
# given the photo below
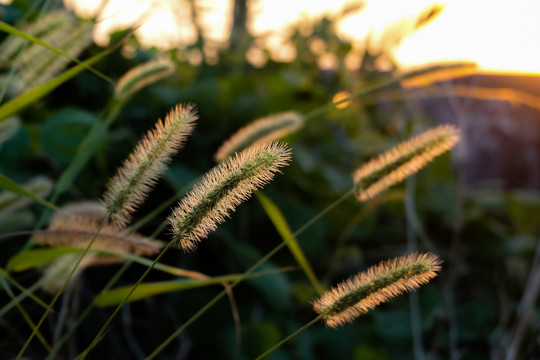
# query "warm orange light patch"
(341, 96)
(494, 34)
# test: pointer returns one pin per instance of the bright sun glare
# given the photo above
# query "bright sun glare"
(498, 35)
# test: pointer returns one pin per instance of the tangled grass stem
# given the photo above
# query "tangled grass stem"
(113, 315)
(59, 292)
(248, 272)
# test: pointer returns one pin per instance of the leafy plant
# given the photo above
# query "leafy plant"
(73, 130)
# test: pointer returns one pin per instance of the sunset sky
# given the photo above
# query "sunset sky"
(498, 35)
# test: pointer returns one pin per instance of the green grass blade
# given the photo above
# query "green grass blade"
(11, 201)
(82, 156)
(86, 149)
(8, 184)
(40, 91)
(37, 257)
(115, 296)
(4, 310)
(24, 314)
(281, 225)
(16, 32)
(23, 290)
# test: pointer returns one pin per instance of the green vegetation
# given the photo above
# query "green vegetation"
(112, 279)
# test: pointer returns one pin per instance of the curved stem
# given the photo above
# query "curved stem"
(86, 312)
(273, 348)
(248, 272)
(57, 296)
(113, 315)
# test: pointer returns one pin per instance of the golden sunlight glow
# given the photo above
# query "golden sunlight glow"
(496, 34)
(340, 96)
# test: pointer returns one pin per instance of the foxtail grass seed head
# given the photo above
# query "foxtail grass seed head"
(138, 174)
(52, 22)
(141, 76)
(267, 129)
(222, 189)
(44, 67)
(405, 159)
(78, 230)
(363, 292)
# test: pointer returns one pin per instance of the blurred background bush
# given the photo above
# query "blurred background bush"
(477, 207)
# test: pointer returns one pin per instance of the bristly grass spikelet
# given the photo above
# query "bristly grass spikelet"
(405, 159)
(222, 189)
(363, 292)
(78, 230)
(52, 22)
(45, 64)
(267, 129)
(141, 76)
(138, 174)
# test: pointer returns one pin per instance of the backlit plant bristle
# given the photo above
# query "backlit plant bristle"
(45, 64)
(78, 230)
(267, 129)
(363, 292)
(138, 174)
(222, 189)
(141, 76)
(10, 201)
(53, 22)
(405, 159)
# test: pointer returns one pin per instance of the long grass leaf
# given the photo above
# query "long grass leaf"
(23, 290)
(115, 296)
(40, 91)
(38, 257)
(24, 314)
(16, 32)
(8, 184)
(281, 225)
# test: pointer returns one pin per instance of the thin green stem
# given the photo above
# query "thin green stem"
(273, 348)
(87, 311)
(362, 92)
(375, 87)
(23, 290)
(82, 156)
(13, 69)
(21, 297)
(57, 296)
(113, 315)
(248, 272)
(160, 208)
(23, 312)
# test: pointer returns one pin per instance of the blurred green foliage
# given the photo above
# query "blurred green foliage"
(487, 238)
